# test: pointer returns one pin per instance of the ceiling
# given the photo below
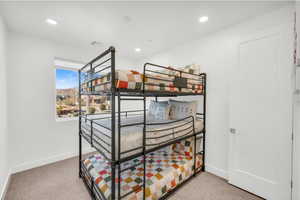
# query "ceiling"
(151, 26)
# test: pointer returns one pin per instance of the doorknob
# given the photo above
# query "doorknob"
(232, 130)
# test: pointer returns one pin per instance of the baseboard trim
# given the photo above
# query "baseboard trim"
(5, 186)
(49, 160)
(216, 171)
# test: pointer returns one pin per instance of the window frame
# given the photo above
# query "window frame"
(57, 119)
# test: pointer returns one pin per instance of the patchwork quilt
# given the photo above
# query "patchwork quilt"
(165, 169)
(130, 79)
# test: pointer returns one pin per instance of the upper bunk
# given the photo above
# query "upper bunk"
(100, 77)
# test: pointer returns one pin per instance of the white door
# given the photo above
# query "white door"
(261, 115)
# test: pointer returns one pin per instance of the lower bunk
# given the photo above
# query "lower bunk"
(165, 170)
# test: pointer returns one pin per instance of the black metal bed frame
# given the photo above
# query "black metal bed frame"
(106, 62)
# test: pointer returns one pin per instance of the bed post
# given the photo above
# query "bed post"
(195, 147)
(204, 119)
(80, 139)
(113, 115)
(119, 146)
(144, 136)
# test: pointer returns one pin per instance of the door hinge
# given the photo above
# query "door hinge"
(292, 137)
(232, 130)
(292, 184)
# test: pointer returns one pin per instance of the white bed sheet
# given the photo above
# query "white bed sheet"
(132, 136)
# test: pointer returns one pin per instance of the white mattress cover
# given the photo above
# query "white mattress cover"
(132, 136)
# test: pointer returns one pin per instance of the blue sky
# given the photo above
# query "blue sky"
(66, 79)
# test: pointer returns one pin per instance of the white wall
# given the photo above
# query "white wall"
(218, 54)
(296, 171)
(36, 137)
(4, 165)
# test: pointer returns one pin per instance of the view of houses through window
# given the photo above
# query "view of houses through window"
(67, 99)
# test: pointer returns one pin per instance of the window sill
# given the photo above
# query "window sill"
(66, 119)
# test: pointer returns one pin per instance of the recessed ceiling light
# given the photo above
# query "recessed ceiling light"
(51, 21)
(137, 49)
(203, 19)
(96, 43)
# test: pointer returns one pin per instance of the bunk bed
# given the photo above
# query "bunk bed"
(138, 155)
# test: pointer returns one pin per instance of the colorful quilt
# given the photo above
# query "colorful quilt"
(130, 79)
(165, 169)
(164, 79)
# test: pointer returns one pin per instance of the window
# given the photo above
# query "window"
(66, 93)
(67, 99)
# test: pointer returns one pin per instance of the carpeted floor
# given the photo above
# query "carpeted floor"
(59, 181)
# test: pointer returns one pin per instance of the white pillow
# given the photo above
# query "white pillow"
(182, 109)
(159, 110)
(192, 69)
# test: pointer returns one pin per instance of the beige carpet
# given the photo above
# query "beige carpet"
(59, 181)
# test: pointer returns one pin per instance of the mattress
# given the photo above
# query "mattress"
(165, 169)
(131, 137)
(130, 79)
